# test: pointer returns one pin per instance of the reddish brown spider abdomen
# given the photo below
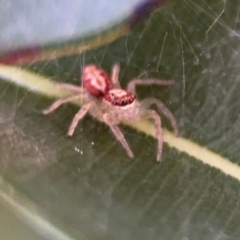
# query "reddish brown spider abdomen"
(96, 81)
(119, 97)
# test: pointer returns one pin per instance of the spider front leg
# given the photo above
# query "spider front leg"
(79, 115)
(131, 87)
(118, 134)
(158, 130)
(61, 101)
(146, 103)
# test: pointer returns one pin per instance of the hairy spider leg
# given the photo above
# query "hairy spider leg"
(70, 87)
(115, 75)
(158, 130)
(146, 103)
(118, 134)
(131, 87)
(61, 101)
(80, 114)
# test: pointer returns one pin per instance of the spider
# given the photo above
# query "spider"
(105, 100)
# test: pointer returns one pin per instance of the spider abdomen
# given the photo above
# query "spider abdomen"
(96, 81)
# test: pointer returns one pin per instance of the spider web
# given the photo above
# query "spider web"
(86, 185)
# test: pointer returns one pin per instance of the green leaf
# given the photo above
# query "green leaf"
(85, 187)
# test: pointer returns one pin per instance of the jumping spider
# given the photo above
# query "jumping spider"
(105, 100)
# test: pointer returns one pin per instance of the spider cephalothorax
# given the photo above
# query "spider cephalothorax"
(104, 99)
(119, 97)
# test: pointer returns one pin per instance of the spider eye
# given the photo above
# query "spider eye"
(124, 103)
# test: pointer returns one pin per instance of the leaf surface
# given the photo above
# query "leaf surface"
(85, 187)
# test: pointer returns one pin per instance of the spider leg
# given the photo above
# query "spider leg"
(79, 115)
(69, 87)
(115, 75)
(131, 87)
(146, 103)
(158, 130)
(118, 134)
(59, 102)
